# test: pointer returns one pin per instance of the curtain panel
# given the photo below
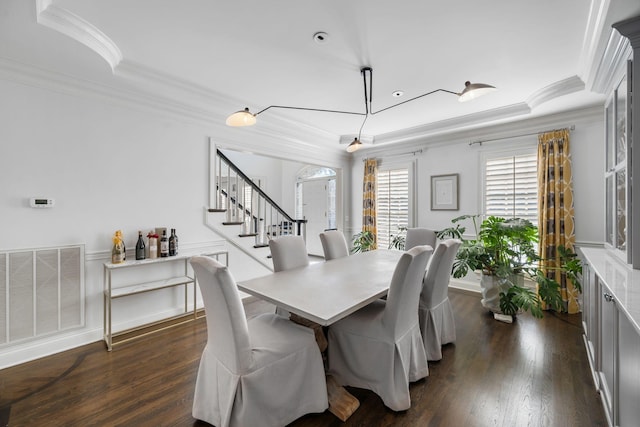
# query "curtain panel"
(556, 210)
(369, 189)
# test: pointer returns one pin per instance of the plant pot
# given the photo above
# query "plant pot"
(492, 286)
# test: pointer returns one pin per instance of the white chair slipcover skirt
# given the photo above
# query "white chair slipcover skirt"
(379, 347)
(266, 371)
(437, 323)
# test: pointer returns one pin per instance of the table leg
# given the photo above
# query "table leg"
(341, 403)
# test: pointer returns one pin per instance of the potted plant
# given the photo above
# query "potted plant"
(398, 240)
(504, 251)
(363, 242)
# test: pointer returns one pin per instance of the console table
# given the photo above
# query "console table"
(112, 292)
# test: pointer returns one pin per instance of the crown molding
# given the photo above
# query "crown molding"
(560, 88)
(29, 75)
(569, 118)
(612, 63)
(563, 87)
(454, 124)
(67, 23)
(592, 36)
(155, 81)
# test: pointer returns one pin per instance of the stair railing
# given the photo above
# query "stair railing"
(246, 204)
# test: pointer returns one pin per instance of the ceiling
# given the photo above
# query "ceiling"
(215, 57)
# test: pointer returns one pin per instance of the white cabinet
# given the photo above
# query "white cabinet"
(611, 319)
(179, 275)
(608, 353)
(590, 317)
(629, 374)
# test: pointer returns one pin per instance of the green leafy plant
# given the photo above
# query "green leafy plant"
(398, 240)
(363, 242)
(506, 249)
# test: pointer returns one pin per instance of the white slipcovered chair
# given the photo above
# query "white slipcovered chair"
(379, 347)
(419, 236)
(266, 371)
(288, 252)
(437, 323)
(334, 245)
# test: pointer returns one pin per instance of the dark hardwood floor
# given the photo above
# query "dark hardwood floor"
(530, 373)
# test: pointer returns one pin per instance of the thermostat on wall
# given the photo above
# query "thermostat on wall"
(40, 202)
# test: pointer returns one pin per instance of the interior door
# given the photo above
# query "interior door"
(315, 210)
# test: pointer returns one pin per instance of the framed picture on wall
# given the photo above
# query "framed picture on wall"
(444, 192)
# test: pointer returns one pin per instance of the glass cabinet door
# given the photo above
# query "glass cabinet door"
(616, 172)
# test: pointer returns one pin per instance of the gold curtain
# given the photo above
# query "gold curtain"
(369, 187)
(555, 207)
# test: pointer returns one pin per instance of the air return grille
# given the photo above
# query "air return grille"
(41, 292)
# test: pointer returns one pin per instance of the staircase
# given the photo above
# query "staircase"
(244, 214)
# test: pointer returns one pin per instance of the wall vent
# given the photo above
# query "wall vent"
(41, 292)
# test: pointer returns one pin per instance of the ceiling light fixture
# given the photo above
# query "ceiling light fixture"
(471, 91)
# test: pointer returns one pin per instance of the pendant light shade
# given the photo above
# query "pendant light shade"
(354, 146)
(474, 90)
(241, 118)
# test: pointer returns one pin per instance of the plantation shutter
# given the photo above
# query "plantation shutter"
(511, 187)
(392, 204)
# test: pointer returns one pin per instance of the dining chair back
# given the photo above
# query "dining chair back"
(288, 252)
(264, 371)
(226, 320)
(420, 236)
(334, 245)
(379, 347)
(401, 310)
(437, 323)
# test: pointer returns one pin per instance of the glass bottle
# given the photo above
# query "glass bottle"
(140, 247)
(164, 245)
(124, 248)
(117, 252)
(173, 243)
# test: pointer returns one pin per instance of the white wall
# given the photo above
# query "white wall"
(109, 164)
(453, 154)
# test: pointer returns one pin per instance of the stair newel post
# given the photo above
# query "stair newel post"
(274, 231)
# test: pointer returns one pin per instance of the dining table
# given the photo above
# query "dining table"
(325, 292)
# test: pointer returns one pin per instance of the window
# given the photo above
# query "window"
(511, 186)
(392, 204)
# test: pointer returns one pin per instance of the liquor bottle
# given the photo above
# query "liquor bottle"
(173, 243)
(140, 247)
(164, 245)
(124, 248)
(117, 252)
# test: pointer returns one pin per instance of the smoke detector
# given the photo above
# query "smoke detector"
(321, 37)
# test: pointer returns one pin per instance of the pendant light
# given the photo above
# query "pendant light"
(470, 91)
